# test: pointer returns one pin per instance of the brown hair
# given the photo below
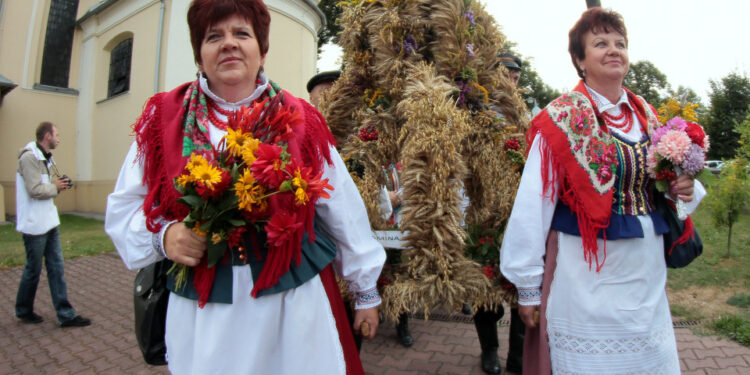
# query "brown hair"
(596, 20)
(204, 13)
(43, 128)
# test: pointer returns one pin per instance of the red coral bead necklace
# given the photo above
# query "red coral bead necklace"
(211, 107)
(623, 121)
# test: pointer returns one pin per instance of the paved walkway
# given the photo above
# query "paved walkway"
(99, 287)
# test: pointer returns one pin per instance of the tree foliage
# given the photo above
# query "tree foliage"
(684, 96)
(533, 86)
(728, 197)
(538, 89)
(647, 81)
(330, 32)
(730, 98)
(743, 130)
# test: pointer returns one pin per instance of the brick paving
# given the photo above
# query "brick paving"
(99, 287)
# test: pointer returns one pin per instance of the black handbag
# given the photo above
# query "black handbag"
(150, 298)
(684, 253)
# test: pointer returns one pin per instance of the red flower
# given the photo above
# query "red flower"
(368, 134)
(281, 229)
(220, 188)
(267, 167)
(512, 144)
(489, 271)
(696, 134)
(246, 117)
(303, 182)
(235, 237)
(666, 175)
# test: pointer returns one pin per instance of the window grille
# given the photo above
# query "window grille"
(119, 68)
(58, 43)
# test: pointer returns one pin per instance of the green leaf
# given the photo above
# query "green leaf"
(191, 200)
(206, 226)
(214, 252)
(236, 222)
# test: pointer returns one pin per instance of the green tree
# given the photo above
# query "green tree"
(685, 95)
(727, 198)
(743, 130)
(538, 89)
(531, 81)
(730, 98)
(330, 32)
(647, 81)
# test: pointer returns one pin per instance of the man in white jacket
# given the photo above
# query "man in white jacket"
(37, 220)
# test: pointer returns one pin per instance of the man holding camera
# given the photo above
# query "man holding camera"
(37, 220)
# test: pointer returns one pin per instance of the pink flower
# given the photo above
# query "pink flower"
(674, 146)
(677, 123)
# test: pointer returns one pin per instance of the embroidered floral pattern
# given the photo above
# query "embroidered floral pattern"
(594, 149)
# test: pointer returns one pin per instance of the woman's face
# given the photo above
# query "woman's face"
(606, 58)
(230, 55)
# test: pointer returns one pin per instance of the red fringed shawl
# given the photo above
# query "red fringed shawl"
(583, 157)
(176, 122)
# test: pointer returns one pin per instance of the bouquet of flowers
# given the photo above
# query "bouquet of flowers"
(230, 188)
(678, 147)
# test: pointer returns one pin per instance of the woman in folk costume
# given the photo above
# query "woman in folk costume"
(292, 323)
(583, 244)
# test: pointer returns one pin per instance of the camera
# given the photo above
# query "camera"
(70, 182)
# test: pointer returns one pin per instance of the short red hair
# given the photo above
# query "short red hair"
(596, 20)
(204, 13)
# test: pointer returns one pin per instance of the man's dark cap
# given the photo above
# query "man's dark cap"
(510, 61)
(322, 77)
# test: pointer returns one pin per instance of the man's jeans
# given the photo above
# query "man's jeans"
(47, 245)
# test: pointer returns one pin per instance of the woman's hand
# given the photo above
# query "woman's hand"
(682, 188)
(369, 316)
(529, 315)
(182, 245)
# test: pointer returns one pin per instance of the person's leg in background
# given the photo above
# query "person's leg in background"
(485, 322)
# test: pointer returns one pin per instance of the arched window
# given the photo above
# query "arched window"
(119, 68)
(58, 43)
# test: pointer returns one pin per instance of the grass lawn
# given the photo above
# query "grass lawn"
(715, 288)
(79, 236)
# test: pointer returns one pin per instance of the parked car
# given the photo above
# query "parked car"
(714, 166)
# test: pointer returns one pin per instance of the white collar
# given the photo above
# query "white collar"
(603, 104)
(259, 89)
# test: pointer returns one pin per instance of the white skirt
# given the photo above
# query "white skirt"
(292, 332)
(616, 321)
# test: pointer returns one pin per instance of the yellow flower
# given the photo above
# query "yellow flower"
(300, 197)
(216, 238)
(672, 108)
(206, 174)
(237, 140)
(185, 179)
(375, 96)
(298, 181)
(195, 161)
(248, 150)
(485, 94)
(248, 192)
